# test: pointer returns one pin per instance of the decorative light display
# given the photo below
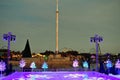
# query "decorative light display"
(117, 64)
(44, 66)
(33, 66)
(75, 63)
(108, 64)
(22, 63)
(2, 66)
(85, 64)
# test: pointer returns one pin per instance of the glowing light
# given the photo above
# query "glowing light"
(75, 63)
(33, 65)
(22, 63)
(117, 65)
(44, 66)
(85, 64)
(2, 66)
(108, 64)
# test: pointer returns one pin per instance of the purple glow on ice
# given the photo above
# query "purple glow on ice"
(91, 75)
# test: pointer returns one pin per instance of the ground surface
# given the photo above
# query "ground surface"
(59, 76)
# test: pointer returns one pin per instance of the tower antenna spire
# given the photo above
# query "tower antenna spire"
(57, 17)
(56, 5)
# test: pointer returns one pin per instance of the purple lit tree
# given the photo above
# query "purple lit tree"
(117, 66)
(44, 66)
(33, 66)
(2, 67)
(22, 63)
(75, 64)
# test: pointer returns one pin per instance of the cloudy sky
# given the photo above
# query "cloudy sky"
(78, 21)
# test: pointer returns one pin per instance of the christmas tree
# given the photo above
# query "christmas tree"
(75, 64)
(44, 66)
(33, 66)
(22, 63)
(85, 64)
(108, 65)
(2, 66)
(117, 64)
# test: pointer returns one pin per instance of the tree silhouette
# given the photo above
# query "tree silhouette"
(26, 52)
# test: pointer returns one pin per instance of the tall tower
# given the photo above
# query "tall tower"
(57, 16)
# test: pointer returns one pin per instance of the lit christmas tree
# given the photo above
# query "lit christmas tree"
(117, 66)
(85, 65)
(33, 66)
(44, 66)
(2, 66)
(22, 63)
(108, 65)
(75, 64)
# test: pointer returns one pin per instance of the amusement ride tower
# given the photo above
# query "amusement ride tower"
(57, 17)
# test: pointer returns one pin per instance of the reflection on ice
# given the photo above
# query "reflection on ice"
(33, 77)
(38, 76)
(59, 76)
(74, 75)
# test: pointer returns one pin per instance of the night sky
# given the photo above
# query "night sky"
(78, 21)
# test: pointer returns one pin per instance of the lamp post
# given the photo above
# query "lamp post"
(9, 37)
(96, 39)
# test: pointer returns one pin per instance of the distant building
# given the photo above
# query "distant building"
(3, 53)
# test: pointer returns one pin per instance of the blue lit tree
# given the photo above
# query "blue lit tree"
(44, 66)
(2, 67)
(85, 65)
(108, 65)
(22, 63)
(33, 66)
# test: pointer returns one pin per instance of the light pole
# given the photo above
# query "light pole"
(96, 39)
(9, 37)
